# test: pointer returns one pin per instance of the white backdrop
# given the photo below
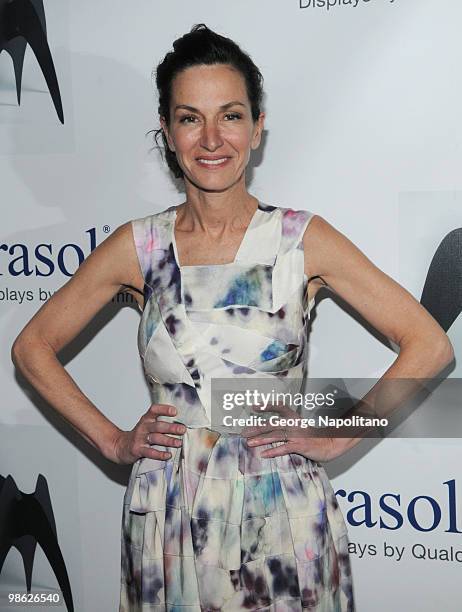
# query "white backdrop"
(363, 127)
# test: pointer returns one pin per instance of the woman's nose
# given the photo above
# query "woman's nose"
(211, 137)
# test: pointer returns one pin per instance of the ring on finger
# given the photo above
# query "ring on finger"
(148, 439)
(285, 434)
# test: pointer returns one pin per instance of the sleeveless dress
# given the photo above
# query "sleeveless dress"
(216, 527)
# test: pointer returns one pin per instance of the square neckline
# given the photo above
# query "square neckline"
(251, 224)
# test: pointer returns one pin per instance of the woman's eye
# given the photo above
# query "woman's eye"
(183, 119)
(186, 118)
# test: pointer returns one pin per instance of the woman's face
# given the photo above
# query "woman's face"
(211, 127)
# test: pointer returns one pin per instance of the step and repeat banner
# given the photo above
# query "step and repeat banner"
(362, 102)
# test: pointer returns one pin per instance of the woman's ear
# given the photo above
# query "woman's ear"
(164, 127)
(258, 130)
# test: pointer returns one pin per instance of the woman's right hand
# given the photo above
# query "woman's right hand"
(128, 446)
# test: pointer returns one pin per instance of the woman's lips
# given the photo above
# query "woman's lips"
(213, 164)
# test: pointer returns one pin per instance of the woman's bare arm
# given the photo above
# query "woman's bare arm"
(106, 270)
(425, 349)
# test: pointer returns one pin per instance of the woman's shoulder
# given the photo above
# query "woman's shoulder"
(289, 216)
(293, 222)
(162, 217)
(152, 230)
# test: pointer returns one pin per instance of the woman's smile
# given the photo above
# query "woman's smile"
(213, 163)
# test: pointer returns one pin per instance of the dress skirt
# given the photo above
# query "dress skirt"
(219, 528)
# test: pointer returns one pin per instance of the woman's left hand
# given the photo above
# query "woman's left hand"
(307, 441)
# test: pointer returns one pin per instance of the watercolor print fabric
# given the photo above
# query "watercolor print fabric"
(217, 527)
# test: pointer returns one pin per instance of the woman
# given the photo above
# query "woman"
(219, 521)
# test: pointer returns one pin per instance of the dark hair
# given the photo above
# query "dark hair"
(202, 46)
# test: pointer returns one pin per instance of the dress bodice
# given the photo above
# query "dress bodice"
(243, 319)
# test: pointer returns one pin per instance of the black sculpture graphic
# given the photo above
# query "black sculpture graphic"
(25, 520)
(22, 22)
(442, 292)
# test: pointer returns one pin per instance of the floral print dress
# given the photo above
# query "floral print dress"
(217, 527)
